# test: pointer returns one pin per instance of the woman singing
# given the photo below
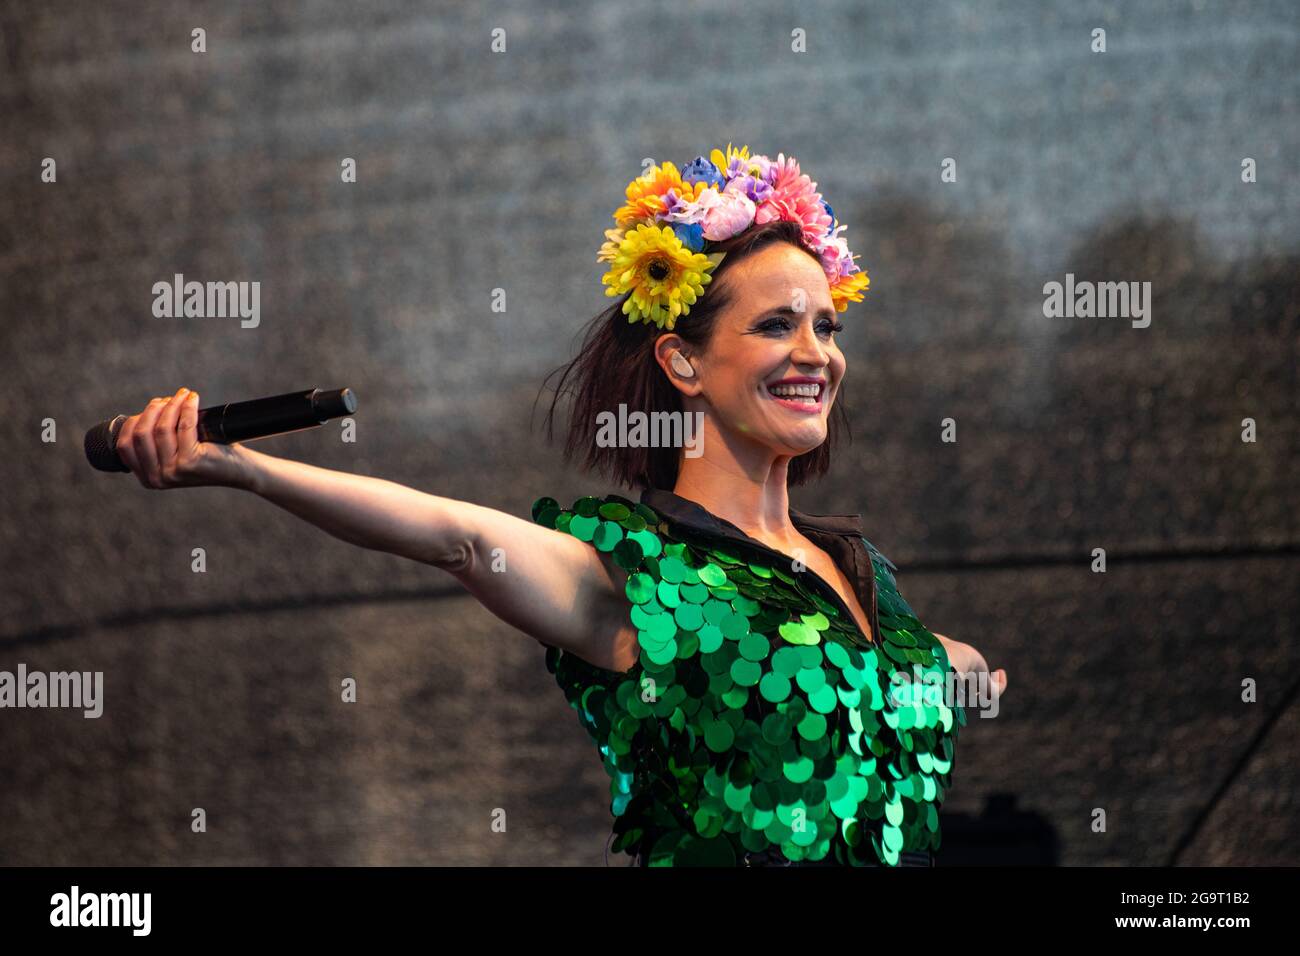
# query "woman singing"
(757, 688)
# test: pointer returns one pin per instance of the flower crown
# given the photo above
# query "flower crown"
(659, 251)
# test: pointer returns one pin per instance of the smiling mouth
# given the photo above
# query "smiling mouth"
(807, 394)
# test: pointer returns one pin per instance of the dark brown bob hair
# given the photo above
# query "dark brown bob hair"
(616, 365)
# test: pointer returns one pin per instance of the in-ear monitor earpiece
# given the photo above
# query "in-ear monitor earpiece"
(681, 366)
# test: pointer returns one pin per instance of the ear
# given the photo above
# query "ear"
(665, 347)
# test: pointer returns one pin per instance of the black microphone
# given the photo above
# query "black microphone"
(237, 421)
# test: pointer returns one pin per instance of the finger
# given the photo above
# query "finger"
(164, 429)
(187, 431)
(142, 442)
(122, 444)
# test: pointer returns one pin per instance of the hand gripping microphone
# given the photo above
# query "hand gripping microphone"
(237, 421)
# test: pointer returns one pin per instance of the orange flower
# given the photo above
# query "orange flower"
(848, 289)
(645, 194)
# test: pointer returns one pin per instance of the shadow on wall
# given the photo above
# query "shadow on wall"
(1066, 420)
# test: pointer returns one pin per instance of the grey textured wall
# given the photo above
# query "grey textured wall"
(479, 170)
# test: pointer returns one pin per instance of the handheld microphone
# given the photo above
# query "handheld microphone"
(237, 421)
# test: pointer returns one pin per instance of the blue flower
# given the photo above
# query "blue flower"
(829, 211)
(701, 169)
(691, 235)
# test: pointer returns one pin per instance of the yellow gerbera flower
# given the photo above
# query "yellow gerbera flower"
(849, 289)
(645, 194)
(662, 275)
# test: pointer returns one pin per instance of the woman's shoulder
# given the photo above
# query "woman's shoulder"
(628, 530)
(877, 553)
(609, 507)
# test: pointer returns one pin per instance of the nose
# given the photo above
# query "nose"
(807, 349)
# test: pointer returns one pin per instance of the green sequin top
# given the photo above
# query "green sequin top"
(758, 715)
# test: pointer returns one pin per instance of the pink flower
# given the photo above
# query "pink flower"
(835, 257)
(795, 199)
(722, 214)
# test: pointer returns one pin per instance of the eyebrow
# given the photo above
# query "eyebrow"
(822, 313)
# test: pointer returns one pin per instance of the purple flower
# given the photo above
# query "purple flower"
(739, 166)
(674, 207)
(757, 190)
(766, 168)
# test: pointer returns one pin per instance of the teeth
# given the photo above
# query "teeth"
(807, 393)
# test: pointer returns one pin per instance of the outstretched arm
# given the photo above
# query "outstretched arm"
(550, 585)
(554, 587)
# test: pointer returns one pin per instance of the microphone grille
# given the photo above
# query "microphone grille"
(101, 442)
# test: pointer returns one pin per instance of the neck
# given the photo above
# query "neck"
(744, 486)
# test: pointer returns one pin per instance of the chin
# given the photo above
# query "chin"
(801, 444)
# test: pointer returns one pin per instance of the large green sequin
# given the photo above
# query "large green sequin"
(757, 715)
